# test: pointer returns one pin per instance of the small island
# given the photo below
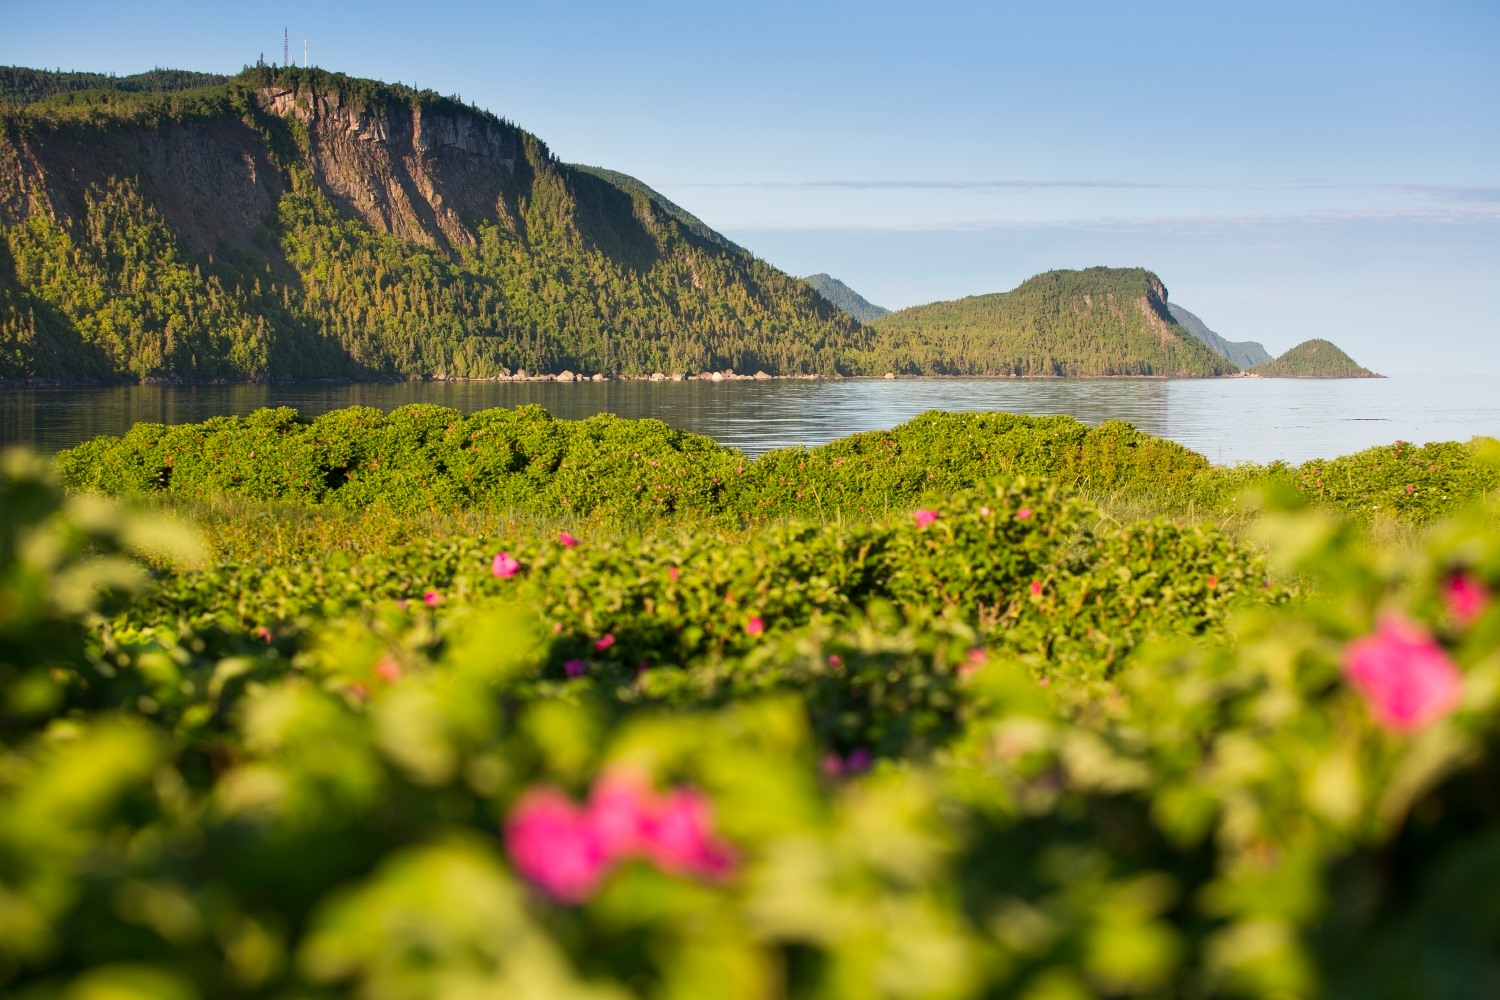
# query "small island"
(1315, 358)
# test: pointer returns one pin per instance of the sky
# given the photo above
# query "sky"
(1289, 169)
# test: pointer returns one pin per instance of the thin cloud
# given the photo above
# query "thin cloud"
(928, 185)
(1466, 193)
(1430, 215)
(1461, 193)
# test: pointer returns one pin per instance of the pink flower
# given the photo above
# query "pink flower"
(505, 566)
(1405, 677)
(680, 839)
(621, 810)
(1465, 596)
(575, 668)
(1411, 489)
(432, 598)
(1213, 582)
(554, 844)
(568, 850)
(924, 517)
(1024, 514)
(673, 573)
(388, 670)
(835, 661)
(858, 761)
(832, 765)
(566, 540)
(263, 634)
(604, 643)
(755, 626)
(984, 512)
(1036, 588)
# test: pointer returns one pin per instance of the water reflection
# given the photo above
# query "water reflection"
(1228, 420)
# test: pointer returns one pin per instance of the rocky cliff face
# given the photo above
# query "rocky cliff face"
(423, 175)
(214, 181)
(426, 176)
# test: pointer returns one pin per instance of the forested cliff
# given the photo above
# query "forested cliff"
(296, 223)
(1099, 321)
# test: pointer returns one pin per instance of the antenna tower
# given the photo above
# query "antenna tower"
(304, 53)
(286, 47)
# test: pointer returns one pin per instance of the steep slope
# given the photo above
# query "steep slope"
(1095, 322)
(845, 298)
(1314, 359)
(1245, 353)
(656, 201)
(293, 223)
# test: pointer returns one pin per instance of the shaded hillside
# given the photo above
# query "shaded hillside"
(655, 201)
(846, 298)
(1095, 322)
(1314, 359)
(1245, 353)
(293, 223)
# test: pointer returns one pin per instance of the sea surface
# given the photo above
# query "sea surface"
(1227, 420)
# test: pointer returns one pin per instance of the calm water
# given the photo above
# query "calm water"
(1228, 420)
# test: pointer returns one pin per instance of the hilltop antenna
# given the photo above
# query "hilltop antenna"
(304, 53)
(286, 47)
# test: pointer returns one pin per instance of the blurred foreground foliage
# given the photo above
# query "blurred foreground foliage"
(1009, 747)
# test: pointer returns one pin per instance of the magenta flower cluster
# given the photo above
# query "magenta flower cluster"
(1405, 677)
(568, 849)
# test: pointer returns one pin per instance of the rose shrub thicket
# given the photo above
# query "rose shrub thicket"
(428, 458)
(1008, 749)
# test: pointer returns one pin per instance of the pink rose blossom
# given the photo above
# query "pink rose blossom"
(432, 598)
(831, 765)
(566, 540)
(568, 850)
(680, 838)
(388, 670)
(756, 625)
(673, 573)
(1024, 514)
(505, 566)
(1406, 678)
(605, 642)
(924, 517)
(621, 811)
(553, 843)
(984, 512)
(1466, 597)
(1036, 588)
(263, 634)
(575, 668)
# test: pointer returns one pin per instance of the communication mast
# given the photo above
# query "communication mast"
(286, 47)
(304, 53)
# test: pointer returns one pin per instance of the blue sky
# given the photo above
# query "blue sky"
(1289, 169)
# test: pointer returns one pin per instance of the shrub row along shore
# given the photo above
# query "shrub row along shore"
(431, 458)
